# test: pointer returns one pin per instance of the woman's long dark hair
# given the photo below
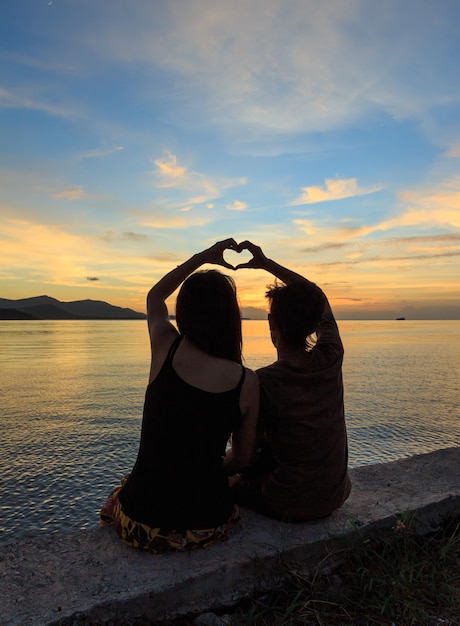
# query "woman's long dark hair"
(207, 313)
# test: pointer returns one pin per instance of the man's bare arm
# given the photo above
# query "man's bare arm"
(260, 261)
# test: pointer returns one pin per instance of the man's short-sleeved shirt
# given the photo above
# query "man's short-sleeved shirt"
(302, 410)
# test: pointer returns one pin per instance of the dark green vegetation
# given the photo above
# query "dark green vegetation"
(405, 579)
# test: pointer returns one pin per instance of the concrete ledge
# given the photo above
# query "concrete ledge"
(90, 577)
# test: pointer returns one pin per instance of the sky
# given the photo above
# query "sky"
(134, 134)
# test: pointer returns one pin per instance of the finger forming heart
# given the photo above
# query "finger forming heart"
(236, 258)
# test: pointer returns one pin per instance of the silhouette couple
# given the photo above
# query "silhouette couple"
(288, 457)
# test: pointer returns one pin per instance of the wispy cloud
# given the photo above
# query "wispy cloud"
(446, 238)
(388, 258)
(169, 174)
(305, 103)
(74, 193)
(137, 237)
(23, 101)
(307, 226)
(434, 206)
(110, 236)
(236, 205)
(334, 189)
(100, 152)
(175, 222)
(454, 151)
(311, 67)
(35, 62)
(437, 206)
(45, 244)
(329, 245)
(268, 68)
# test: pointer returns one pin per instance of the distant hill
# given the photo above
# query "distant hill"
(14, 314)
(46, 308)
(253, 313)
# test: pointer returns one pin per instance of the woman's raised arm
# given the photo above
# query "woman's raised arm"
(161, 331)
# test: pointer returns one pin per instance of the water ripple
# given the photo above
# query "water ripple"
(72, 395)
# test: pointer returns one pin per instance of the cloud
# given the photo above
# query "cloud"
(74, 193)
(100, 152)
(169, 172)
(11, 100)
(353, 299)
(175, 222)
(268, 68)
(335, 189)
(439, 206)
(435, 206)
(137, 237)
(52, 253)
(323, 247)
(400, 250)
(56, 256)
(110, 236)
(200, 188)
(420, 239)
(382, 258)
(453, 151)
(236, 205)
(426, 245)
(41, 64)
(307, 226)
(309, 66)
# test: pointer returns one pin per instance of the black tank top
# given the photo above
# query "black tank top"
(178, 480)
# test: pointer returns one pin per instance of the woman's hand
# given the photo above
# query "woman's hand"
(215, 254)
(258, 261)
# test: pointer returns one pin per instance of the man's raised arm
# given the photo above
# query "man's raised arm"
(260, 261)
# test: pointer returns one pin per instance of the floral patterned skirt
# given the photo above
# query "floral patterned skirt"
(157, 540)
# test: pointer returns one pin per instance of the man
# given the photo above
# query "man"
(301, 472)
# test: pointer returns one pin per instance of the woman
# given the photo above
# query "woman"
(177, 496)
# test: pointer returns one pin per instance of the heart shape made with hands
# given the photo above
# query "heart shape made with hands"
(236, 257)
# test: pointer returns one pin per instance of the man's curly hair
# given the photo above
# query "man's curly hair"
(296, 310)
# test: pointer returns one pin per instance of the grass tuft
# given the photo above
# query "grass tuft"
(403, 580)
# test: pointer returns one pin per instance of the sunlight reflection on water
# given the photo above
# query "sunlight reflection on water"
(72, 396)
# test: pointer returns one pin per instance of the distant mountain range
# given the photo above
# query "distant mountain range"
(46, 308)
(253, 313)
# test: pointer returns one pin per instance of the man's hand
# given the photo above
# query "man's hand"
(258, 261)
(215, 254)
(261, 262)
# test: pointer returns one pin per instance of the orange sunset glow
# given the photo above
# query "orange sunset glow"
(328, 134)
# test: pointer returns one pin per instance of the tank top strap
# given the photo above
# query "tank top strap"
(172, 349)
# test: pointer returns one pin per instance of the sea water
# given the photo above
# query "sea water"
(72, 394)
